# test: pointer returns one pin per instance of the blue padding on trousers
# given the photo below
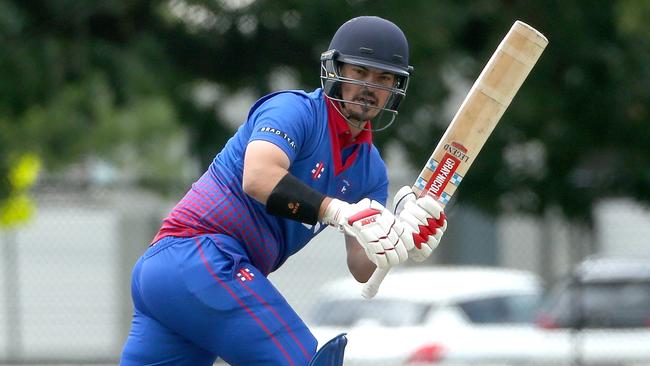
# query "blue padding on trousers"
(331, 354)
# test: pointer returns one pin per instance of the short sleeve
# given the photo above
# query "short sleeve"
(285, 120)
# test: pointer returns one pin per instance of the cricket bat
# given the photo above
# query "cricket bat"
(475, 120)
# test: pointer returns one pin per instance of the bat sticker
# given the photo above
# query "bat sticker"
(443, 173)
(458, 151)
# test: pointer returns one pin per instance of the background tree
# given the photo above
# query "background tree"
(138, 81)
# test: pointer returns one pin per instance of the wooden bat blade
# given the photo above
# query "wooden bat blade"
(480, 112)
(475, 120)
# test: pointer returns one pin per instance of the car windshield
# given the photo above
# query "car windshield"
(502, 309)
(604, 305)
(388, 313)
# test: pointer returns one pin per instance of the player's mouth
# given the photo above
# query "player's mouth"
(366, 101)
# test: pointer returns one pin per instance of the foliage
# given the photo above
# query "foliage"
(77, 84)
(120, 79)
(18, 207)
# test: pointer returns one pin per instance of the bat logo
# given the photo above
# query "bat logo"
(457, 150)
(443, 173)
(459, 146)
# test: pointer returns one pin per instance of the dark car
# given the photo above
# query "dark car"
(601, 293)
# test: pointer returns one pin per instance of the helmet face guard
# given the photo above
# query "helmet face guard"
(370, 42)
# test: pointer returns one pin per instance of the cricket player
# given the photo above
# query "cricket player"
(300, 162)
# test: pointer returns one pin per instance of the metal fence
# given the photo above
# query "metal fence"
(65, 275)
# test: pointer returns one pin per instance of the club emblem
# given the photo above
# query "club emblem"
(344, 186)
(317, 171)
(245, 274)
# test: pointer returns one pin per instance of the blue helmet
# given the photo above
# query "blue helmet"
(373, 42)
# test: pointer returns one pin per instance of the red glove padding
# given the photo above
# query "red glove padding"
(424, 223)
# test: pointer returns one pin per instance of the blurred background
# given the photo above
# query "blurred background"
(110, 109)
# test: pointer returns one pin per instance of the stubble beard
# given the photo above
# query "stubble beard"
(365, 114)
(361, 113)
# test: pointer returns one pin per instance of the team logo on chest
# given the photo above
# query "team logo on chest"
(344, 186)
(245, 274)
(318, 170)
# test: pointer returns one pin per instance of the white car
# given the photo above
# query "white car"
(600, 313)
(438, 315)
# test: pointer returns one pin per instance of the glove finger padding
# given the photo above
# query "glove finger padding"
(425, 223)
(426, 248)
(410, 224)
(401, 247)
(421, 254)
(391, 257)
(430, 205)
(419, 214)
(375, 228)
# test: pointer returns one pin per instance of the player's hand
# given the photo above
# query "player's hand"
(374, 227)
(424, 222)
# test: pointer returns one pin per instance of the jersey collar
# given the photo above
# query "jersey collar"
(340, 127)
(341, 138)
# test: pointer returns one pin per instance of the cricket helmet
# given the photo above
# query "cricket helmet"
(373, 42)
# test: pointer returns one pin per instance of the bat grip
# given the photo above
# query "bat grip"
(371, 287)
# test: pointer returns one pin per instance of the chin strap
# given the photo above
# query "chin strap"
(331, 353)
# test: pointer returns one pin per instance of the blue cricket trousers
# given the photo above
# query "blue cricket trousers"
(199, 298)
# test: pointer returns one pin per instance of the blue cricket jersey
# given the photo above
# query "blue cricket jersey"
(313, 135)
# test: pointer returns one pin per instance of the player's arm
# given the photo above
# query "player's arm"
(265, 165)
(359, 265)
(266, 178)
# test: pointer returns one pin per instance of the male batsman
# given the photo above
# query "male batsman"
(302, 160)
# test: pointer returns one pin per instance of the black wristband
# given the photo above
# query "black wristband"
(293, 199)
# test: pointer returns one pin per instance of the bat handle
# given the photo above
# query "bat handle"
(371, 287)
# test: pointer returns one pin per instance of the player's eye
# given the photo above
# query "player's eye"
(386, 79)
(359, 72)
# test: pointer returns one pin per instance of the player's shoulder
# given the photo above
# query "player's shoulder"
(288, 100)
(374, 152)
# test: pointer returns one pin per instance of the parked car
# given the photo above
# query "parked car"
(600, 313)
(436, 315)
(601, 293)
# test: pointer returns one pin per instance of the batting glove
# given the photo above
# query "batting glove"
(374, 227)
(424, 222)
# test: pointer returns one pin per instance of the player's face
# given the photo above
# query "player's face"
(371, 98)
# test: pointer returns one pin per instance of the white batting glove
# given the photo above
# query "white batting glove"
(374, 227)
(424, 222)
